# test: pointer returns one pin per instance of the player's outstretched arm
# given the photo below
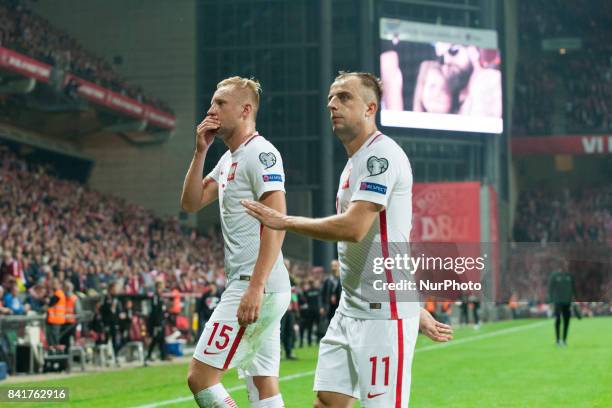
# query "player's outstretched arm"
(270, 245)
(198, 193)
(433, 329)
(351, 226)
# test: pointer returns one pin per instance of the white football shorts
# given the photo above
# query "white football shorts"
(368, 359)
(254, 350)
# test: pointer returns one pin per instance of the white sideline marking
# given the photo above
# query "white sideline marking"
(426, 348)
(482, 336)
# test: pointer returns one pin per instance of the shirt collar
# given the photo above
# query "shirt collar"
(247, 141)
(368, 142)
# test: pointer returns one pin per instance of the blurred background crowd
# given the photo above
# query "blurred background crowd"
(31, 34)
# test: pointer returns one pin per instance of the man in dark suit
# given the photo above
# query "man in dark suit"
(156, 322)
(330, 296)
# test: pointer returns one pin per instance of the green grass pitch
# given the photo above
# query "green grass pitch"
(505, 364)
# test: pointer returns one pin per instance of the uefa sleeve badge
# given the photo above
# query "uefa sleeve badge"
(377, 166)
(267, 159)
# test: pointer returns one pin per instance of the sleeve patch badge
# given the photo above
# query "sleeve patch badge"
(373, 187)
(272, 177)
(377, 166)
(267, 159)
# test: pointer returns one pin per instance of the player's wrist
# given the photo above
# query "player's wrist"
(257, 286)
(200, 152)
(289, 223)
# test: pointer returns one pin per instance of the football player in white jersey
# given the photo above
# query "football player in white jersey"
(367, 351)
(244, 329)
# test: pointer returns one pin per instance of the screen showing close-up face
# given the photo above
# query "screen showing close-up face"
(440, 77)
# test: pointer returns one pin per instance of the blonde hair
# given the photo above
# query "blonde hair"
(250, 84)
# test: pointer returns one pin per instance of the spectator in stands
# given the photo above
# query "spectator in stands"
(71, 89)
(13, 301)
(92, 280)
(3, 309)
(7, 269)
(31, 271)
(37, 297)
(134, 283)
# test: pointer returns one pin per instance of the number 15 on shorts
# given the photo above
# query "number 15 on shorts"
(222, 338)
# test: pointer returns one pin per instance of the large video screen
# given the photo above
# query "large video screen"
(440, 77)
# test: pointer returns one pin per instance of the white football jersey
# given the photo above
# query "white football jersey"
(253, 169)
(378, 172)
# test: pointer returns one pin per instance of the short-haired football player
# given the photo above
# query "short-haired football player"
(244, 329)
(367, 351)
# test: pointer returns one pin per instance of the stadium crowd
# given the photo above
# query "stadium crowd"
(565, 216)
(51, 227)
(584, 73)
(59, 239)
(530, 271)
(547, 225)
(533, 97)
(24, 31)
(56, 234)
(542, 19)
(588, 77)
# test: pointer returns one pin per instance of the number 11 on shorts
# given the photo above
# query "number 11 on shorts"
(385, 361)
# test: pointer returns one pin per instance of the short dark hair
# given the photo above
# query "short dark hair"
(367, 79)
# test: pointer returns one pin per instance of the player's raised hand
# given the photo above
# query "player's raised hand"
(250, 304)
(205, 132)
(433, 329)
(266, 215)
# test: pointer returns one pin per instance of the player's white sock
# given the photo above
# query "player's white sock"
(272, 402)
(215, 397)
(252, 391)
